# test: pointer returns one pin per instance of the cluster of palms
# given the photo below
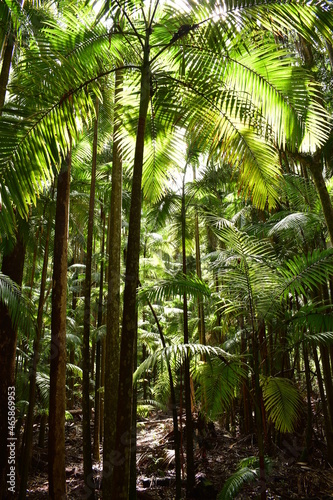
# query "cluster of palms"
(104, 111)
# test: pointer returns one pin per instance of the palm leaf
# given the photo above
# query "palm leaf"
(18, 306)
(283, 403)
(248, 469)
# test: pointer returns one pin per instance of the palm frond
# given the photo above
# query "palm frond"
(18, 306)
(174, 286)
(248, 469)
(218, 383)
(283, 403)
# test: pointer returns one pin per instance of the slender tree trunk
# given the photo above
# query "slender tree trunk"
(327, 419)
(308, 433)
(113, 303)
(174, 409)
(124, 411)
(201, 316)
(87, 460)
(190, 472)
(98, 352)
(5, 69)
(12, 266)
(56, 451)
(132, 487)
(28, 431)
(316, 170)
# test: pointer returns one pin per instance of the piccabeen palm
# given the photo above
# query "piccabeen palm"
(213, 68)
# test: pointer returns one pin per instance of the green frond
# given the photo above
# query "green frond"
(283, 403)
(74, 370)
(248, 470)
(306, 272)
(43, 385)
(218, 384)
(175, 286)
(18, 306)
(180, 351)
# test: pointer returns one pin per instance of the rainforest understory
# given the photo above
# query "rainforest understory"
(217, 455)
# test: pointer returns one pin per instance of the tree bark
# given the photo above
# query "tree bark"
(12, 266)
(28, 431)
(87, 460)
(97, 430)
(190, 472)
(113, 302)
(56, 451)
(5, 69)
(129, 331)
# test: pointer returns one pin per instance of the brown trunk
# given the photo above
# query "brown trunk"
(190, 472)
(97, 429)
(5, 69)
(87, 460)
(12, 266)
(113, 303)
(124, 411)
(28, 431)
(56, 451)
(316, 170)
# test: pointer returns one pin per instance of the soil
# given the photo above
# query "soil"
(217, 454)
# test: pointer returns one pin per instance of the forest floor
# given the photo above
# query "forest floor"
(217, 454)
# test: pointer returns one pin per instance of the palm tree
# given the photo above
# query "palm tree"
(170, 56)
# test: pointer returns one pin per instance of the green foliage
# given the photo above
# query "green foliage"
(283, 403)
(248, 470)
(19, 307)
(218, 384)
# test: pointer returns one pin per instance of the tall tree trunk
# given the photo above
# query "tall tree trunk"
(97, 418)
(56, 451)
(28, 431)
(12, 266)
(87, 461)
(124, 411)
(201, 316)
(190, 472)
(113, 302)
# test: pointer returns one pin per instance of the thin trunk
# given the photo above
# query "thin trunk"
(124, 411)
(308, 433)
(113, 302)
(56, 451)
(5, 69)
(28, 431)
(327, 420)
(201, 316)
(86, 434)
(190, 476)
(12, 266)
(98, 352)
(103, 349)
(316, 170)
(174, 407)
(132, 487)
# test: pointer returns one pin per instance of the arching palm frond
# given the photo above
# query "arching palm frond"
(18, 306)
(181, 351)
(177, 285)
(283, 403)
(218, 383)
(305, 272)
(248, 470)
